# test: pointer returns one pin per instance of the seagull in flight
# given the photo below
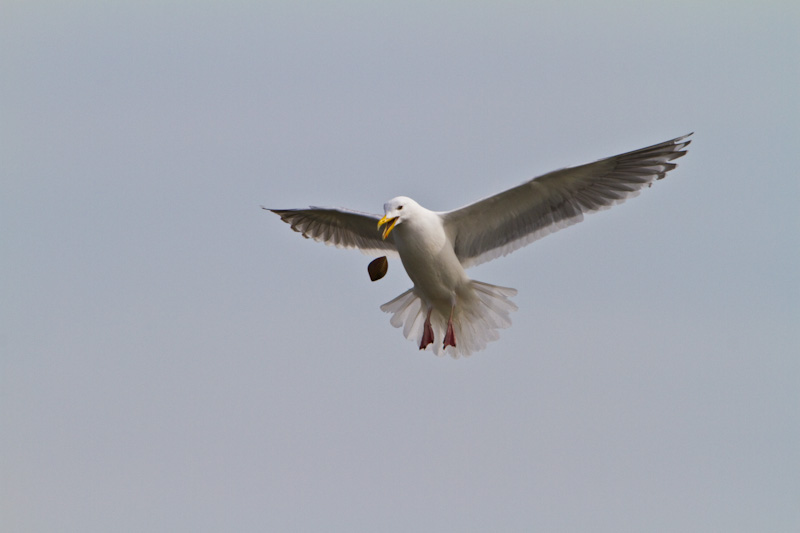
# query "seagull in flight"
(445, 309)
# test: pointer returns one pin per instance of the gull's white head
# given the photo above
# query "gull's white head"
(395, 211)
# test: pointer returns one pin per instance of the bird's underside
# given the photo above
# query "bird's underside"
(437, 247)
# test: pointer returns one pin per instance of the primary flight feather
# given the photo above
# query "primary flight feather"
(445, 309)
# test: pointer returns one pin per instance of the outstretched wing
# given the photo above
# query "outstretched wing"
(505, 222)
(339, 227)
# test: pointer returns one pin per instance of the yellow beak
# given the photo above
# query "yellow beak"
(388, 229)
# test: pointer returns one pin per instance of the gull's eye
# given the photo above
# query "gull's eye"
(399, 208)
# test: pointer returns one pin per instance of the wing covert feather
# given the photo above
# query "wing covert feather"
(500, 224)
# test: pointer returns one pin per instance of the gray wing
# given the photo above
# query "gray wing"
(505, 222)
(339, 227)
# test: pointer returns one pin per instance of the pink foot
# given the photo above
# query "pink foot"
(427, 332)
(450, 336)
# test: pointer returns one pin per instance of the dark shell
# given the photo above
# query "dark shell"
(377, 268)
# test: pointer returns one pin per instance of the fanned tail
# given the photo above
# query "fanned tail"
(480, 311)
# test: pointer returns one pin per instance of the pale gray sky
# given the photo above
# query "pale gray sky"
(174, 358)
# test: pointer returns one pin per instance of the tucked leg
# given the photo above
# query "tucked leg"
(450, 336)
(427, 331)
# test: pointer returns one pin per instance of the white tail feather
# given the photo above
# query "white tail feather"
(480, 311)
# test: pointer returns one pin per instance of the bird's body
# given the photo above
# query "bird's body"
(428, 255)
(441, 285)
(445, 308)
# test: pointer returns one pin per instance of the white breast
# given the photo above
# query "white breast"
(429, 258)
